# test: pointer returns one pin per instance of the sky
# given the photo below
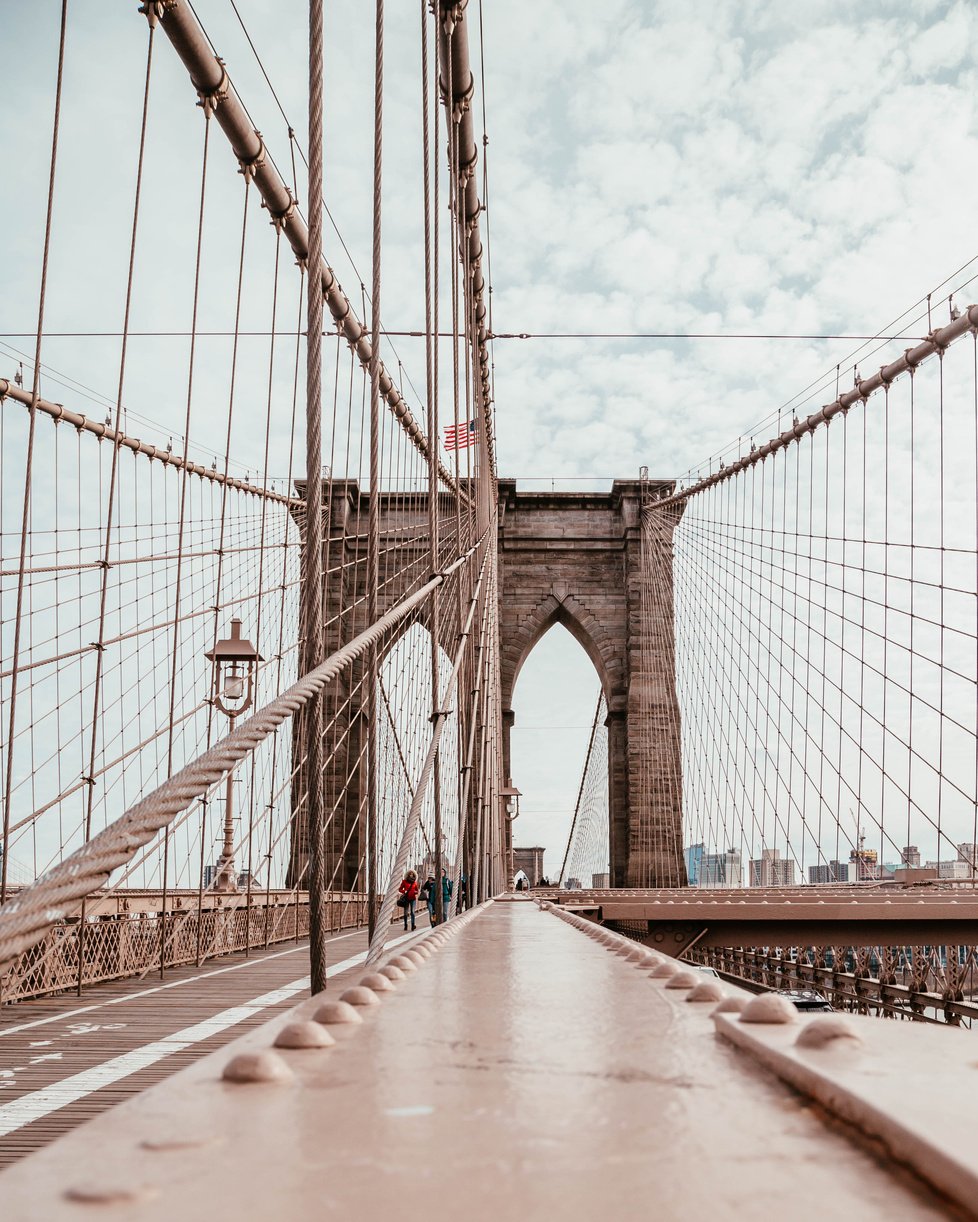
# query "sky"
(722, 167)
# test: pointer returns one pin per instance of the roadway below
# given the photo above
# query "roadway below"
(65, 1059)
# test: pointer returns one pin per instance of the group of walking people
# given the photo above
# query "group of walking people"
(410, 890)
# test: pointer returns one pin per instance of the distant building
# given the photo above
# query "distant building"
(968, 853)
(573, 884)
(720, 870)
(600, 882)
(910, 856)
(734, 867)
(950, 869)
(694, 854)
(209, 872)
(712, 873)
(833, 872)
(863, 864)
(772, 870)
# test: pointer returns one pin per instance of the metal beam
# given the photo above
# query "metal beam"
(939, 339)
(453, 57)
(104, 432)
(811, 917)
(217, 95)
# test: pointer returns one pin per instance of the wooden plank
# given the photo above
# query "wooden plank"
(46, 1041)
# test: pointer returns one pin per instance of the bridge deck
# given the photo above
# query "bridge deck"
(523, 1069)
(65, 1059)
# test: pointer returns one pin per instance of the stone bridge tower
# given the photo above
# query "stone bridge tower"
(575, 558)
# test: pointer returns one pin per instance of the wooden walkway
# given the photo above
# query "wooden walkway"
(65, 1059)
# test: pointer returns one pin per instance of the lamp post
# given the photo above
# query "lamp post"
(234, 662)
(509, 797)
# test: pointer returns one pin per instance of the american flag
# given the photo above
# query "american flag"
(459, 437)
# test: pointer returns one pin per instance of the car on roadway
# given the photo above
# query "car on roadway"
(808, 1001)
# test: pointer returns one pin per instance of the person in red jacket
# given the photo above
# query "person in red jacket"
(409, 892)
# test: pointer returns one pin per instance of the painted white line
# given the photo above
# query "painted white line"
(159, 988)
(39, 1103)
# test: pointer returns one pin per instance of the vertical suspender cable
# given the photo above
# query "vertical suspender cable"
(312, 574)
(110, 513)
(433, 435)
(25, 522)
(373, 517)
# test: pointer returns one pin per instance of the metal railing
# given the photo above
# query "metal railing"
(125, 944)
(921, 983)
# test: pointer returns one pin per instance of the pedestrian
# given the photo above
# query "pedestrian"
(428, 895)
(408, 897)
(446, 896)
(463, 893)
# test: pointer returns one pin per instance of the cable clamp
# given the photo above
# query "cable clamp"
(460, 102)
(280, 219)
(155, 10)
(211, 99)
(250, 168)
(940, 345)
(451, 15)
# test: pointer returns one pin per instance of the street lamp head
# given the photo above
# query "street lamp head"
(234, 684)
(235, 661)
(511, 800)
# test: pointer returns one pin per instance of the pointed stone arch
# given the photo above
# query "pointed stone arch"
(576, 559)
(559, 607)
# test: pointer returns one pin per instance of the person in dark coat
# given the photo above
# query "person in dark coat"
(428, 895)
(446, 896)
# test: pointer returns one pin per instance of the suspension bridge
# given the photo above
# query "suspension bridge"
(265, 603)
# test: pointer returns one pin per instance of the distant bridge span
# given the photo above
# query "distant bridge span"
(884, 916)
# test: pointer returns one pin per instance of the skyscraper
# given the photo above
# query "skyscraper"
(694, 862)
(772, 870)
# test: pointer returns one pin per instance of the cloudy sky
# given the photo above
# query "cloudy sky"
(719, 167)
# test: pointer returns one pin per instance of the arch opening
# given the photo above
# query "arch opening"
(554, 700)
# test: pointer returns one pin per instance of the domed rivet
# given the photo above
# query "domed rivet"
(360, 996)
(335, 1012)
(249, 1067)
(304, 1035)
(769, 1008)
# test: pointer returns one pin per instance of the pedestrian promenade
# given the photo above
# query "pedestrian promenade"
(65, 1059)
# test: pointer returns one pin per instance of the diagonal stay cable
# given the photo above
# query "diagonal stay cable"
(439, 719)
(24, 920)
